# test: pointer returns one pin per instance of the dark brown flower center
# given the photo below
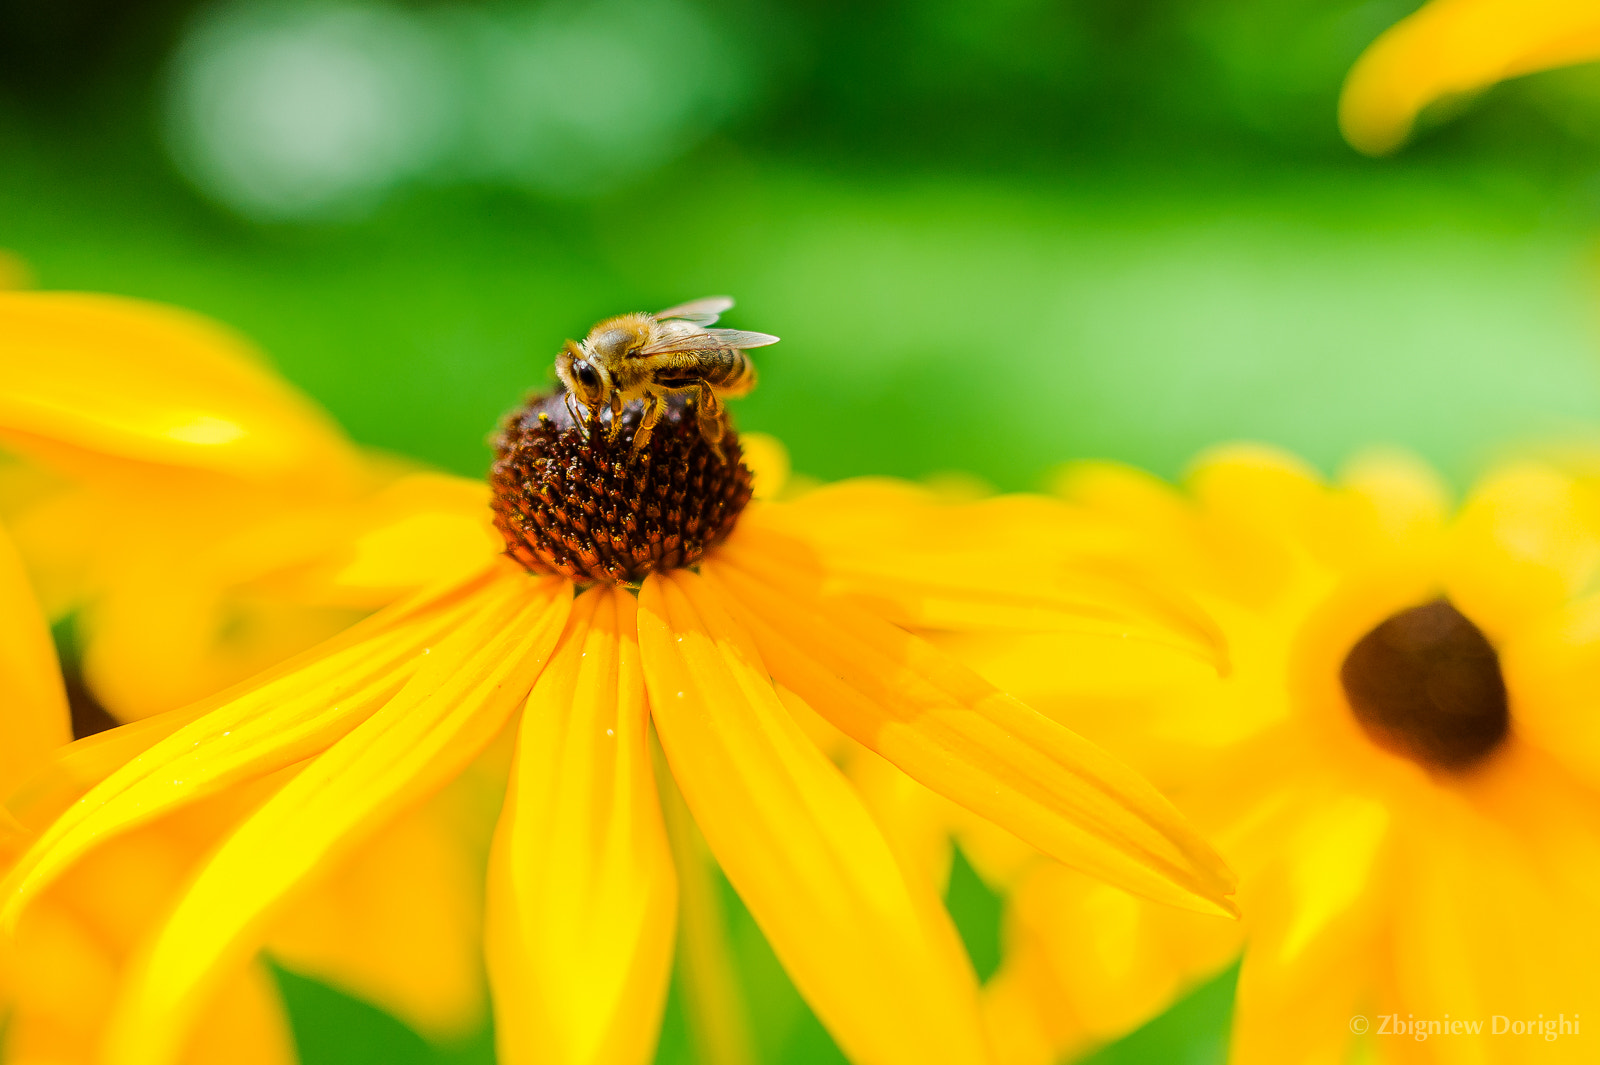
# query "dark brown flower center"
(1426, 684)
(571, 500)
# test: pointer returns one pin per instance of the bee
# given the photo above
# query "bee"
(653, 356)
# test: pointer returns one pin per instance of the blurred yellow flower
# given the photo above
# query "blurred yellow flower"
(1457, 46)
(50, 978)
(1402, 761)
(197, 555)
(203, 518)
(782, 633)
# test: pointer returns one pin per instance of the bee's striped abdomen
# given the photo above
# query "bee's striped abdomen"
(726, 370)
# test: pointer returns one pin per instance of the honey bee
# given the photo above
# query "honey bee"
(653, 356)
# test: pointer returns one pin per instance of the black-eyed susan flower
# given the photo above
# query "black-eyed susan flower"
(638, 596)
(1451, 47)
(1401, 761)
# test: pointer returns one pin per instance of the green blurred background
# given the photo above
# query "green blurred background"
(993, 236)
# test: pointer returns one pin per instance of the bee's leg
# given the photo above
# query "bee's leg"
(616, 417)
(572, 409)
(653, 409)
(712, 423)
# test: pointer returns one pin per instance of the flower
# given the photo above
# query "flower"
(1457, 46)
(193, 555)
(776, 632)
(1401, 761)
(200, 518)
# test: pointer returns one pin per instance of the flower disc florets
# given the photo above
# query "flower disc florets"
(1426, 684)
(574, 500)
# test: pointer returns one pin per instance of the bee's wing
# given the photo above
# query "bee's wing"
(700, 312)
(741, 338)
(709, 340)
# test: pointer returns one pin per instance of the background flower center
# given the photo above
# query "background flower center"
(1427, 684)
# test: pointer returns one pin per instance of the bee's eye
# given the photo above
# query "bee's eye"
(586, 375)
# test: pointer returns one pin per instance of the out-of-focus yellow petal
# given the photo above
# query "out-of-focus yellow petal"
(768, 460)
(713, 1002)
(203, 590)
(952, 731)
(1407, 495)
(245, 1024)
(33, 704)
(1313, 954)
(1554, 669)
(449, 710)
(55, 530)
(289, 714)
(582, 894)
(71, 948)
(166, 631)
(1306, 1021)
(866, 943)
(1112, 955)
(154, 384)
(915, 820)
(399, 923)
(1457, 46)
(1481, 926)
(1017, 563)
(1527, 540)
(67, 978)
(1329, 862)
(426, 528)
(1023, 1014)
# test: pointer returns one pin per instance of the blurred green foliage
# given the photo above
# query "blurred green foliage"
(993, 236)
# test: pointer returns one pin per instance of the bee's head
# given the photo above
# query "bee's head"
(585, 378)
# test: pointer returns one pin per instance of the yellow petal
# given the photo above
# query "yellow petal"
(1015, 563)
(154, 384)
(1554, 670)
(1313, 952)
(1025, 1016)
(33, 704)
(1329, 865)
(865, 941)
(288, 714)
(70, 949)
(768, 461)
(1407, 495)
(168, 630)
(582, 894)
(949, 729)
(424, 528)
(204, 589)
(399, 922)
(448, 711)
(1111, 955)
(1526, 540)
(1480, 925)
(1457, 46)
(72, 770)
(245, 1025)
(67, 977)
